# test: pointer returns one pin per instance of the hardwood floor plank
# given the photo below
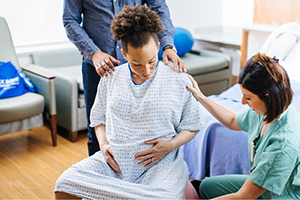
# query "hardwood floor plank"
(30, 165)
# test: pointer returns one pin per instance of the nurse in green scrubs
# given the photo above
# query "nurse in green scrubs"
(273, 128)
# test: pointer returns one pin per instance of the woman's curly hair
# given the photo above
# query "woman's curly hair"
(135, 26)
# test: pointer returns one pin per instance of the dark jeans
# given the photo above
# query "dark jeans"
(90, 83)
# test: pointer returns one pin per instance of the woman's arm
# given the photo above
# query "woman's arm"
(226, 117)
(248, 191)
(105, 148)
(161, 148)
(182, 138)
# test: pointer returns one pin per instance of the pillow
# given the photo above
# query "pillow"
(292, 62)
(183, 41)
(282, 45)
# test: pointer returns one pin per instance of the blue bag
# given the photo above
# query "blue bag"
(13, 83)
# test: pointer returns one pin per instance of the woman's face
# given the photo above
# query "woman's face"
(142, 60)
(253, 101)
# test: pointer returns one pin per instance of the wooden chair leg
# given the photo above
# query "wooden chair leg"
(53, 129)
(73, 136)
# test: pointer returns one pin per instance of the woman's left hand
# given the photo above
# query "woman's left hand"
(154, 154)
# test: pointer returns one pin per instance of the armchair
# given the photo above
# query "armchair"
(65, 64)
(25, 111)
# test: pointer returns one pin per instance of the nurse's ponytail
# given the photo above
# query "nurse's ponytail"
(275, 71)
(266, 78)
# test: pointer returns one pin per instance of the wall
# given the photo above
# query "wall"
(36, 22)
(196, 13)
(276, 12)
(202, 13)
(237, 12)
(33, 22)
(191, 14)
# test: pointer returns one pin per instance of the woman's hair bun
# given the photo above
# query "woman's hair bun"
(133, 20)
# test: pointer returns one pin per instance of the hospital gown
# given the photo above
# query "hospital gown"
(133, 113)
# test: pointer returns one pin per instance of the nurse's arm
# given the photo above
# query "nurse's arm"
(226, 117)
(248, 191)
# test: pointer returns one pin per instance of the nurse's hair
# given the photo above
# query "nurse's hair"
(135, 26)
(264, 77)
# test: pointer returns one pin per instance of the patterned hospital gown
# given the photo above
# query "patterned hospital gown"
(133, 113)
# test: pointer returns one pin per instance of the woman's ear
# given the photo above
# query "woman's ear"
(158, 43)
(124, 55)
(268, 97)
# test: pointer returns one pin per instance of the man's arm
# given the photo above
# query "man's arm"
(72, 11)
(166, 37)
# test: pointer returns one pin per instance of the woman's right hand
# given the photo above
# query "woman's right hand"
(195, 88)
(109, 157)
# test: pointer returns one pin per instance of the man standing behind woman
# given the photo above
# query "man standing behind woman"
(100, 51)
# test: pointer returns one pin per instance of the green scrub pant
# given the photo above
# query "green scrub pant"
(216, 186)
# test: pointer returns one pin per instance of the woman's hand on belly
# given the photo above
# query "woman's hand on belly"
(150, 156)
(109, 157)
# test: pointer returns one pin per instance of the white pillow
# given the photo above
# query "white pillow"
(292, 63)
(282, 45)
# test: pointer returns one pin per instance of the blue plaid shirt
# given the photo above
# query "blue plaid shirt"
(87, 24)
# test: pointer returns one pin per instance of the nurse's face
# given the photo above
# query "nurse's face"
(142, 60)
(253, 101)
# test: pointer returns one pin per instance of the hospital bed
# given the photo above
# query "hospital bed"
(216, 150)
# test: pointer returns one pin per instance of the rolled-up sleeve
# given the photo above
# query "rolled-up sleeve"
(192, 118)
(98, 111)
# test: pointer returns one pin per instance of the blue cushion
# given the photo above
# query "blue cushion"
(183, 41)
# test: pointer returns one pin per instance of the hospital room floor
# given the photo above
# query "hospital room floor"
(30, 165)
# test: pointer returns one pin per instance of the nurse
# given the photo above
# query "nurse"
(273, 130)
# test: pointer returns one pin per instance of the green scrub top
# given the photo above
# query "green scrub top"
(276, 163)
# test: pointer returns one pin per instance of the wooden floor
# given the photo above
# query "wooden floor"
(30, 165)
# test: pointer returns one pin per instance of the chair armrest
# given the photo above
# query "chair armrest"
(208, 53)
(44, 82)
(33, 69)
(66, 96)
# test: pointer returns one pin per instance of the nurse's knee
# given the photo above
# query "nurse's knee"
(205, 188)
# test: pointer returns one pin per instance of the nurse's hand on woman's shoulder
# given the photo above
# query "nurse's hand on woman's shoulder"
(194, 88)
